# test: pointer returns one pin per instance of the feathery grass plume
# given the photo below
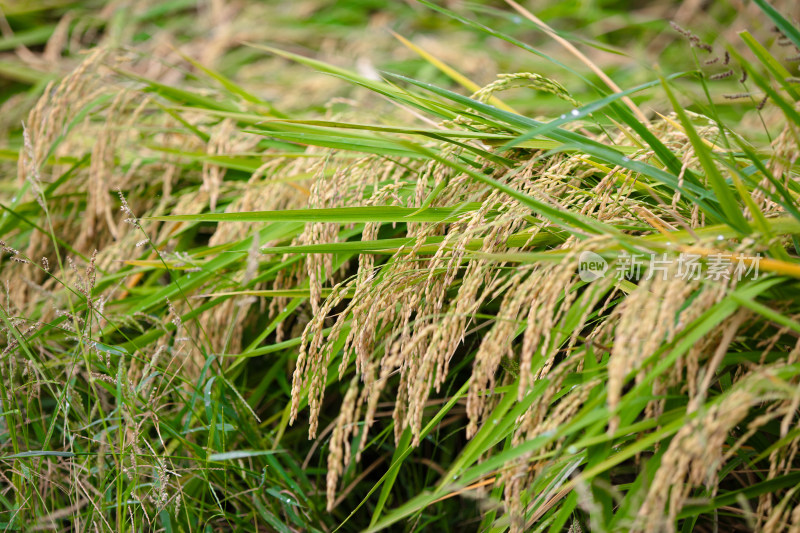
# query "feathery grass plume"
(45, 123)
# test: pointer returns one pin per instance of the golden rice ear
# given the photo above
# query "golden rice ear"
(488, 311)
(384, 339)
(526, 80)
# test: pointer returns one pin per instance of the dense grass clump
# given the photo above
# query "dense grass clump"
(524, 286)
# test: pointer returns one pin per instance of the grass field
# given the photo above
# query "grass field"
(366, 266)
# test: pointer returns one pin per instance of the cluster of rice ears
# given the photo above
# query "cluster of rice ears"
(195, 283)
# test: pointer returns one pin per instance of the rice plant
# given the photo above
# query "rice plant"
(249, 285)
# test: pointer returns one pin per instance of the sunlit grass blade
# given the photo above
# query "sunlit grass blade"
(341, 215)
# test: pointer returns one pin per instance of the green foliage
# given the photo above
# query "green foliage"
(164, 344)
